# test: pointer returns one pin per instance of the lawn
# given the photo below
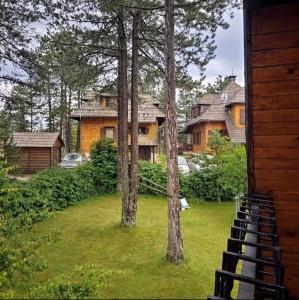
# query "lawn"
(91, 234)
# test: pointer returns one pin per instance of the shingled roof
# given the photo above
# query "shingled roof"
(36, 139)
(148, 110)
(216, 109)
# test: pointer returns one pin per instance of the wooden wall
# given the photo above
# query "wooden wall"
(272, 62)
(204, 129)
(32, 160)
(90, 130)
(235, 112)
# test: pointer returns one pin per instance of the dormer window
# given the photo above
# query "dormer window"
(109, 103)
(195, 112)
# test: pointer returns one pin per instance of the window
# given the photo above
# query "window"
(242, 116)
(196, 138)
(143, 130)
(110, 102)
(107, 132)
(199, 138)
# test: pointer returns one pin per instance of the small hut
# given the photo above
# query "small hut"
(37, 150)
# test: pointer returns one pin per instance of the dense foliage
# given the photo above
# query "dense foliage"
(47, 191)
(103, 155)
(223, 174)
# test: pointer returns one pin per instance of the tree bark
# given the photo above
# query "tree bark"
(134, 176)
(68, 121)
(123, 120)
(61, 106)
(78, 125)
(175, 242)
(49, 100)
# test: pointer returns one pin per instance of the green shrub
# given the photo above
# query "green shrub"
(223, 175)
(48, 190)
(154, 172)
(85, 283)
(19, 258)
(103, 155)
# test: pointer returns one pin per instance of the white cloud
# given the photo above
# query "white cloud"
(229, 52)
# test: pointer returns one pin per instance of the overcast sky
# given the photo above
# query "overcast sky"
(229, 53)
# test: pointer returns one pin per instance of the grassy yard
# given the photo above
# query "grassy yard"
(90, 234)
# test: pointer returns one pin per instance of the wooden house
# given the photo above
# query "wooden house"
(37, 150)
(267, 223)
(98, 119)
(224, 112)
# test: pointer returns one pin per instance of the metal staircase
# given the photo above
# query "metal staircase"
(254, 229)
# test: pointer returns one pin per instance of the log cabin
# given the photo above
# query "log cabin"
(267, 222)
(224, 112)
(37, 151)
(98, 119)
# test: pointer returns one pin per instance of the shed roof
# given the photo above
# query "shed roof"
(36, 139)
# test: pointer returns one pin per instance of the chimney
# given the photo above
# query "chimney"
(232, 78)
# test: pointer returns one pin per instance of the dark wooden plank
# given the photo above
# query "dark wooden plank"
(290, 87)
(275, 102)
(280, 40)
(275, 73)
(277, 141)
(278, 175)
(284, 153)
(275, 57)
(286, 196)
(276, 164)
(278, 115)
(276, 128)
(262, 25)
(266, 186)
(279, 10)
(282, 115)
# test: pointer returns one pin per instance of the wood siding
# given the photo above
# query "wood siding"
(204, 129)
(32, 160)
(91, 129)
(236, 115)
(273, 122)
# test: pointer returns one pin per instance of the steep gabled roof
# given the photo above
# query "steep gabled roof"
(209, 99)
(212, 114)
(238, 97)
(36, 139)
(148, 110)
(216, 109)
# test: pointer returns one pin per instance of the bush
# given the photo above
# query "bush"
(49, 190)
(19, 258)
(103, 155)
(154, 172)
(223, 176)
(85, 283)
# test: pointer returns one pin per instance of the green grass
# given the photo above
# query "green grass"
(91, 234)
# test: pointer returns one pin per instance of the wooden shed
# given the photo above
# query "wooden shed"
(37, 150)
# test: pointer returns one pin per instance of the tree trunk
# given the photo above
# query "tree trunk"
(49, 99)
(134, 176)
(61, 109)
(123, 120)
(78, 125)
(68, 122)
(175, 242)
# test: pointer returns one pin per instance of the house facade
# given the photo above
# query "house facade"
(98, 120)
(224, 112)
